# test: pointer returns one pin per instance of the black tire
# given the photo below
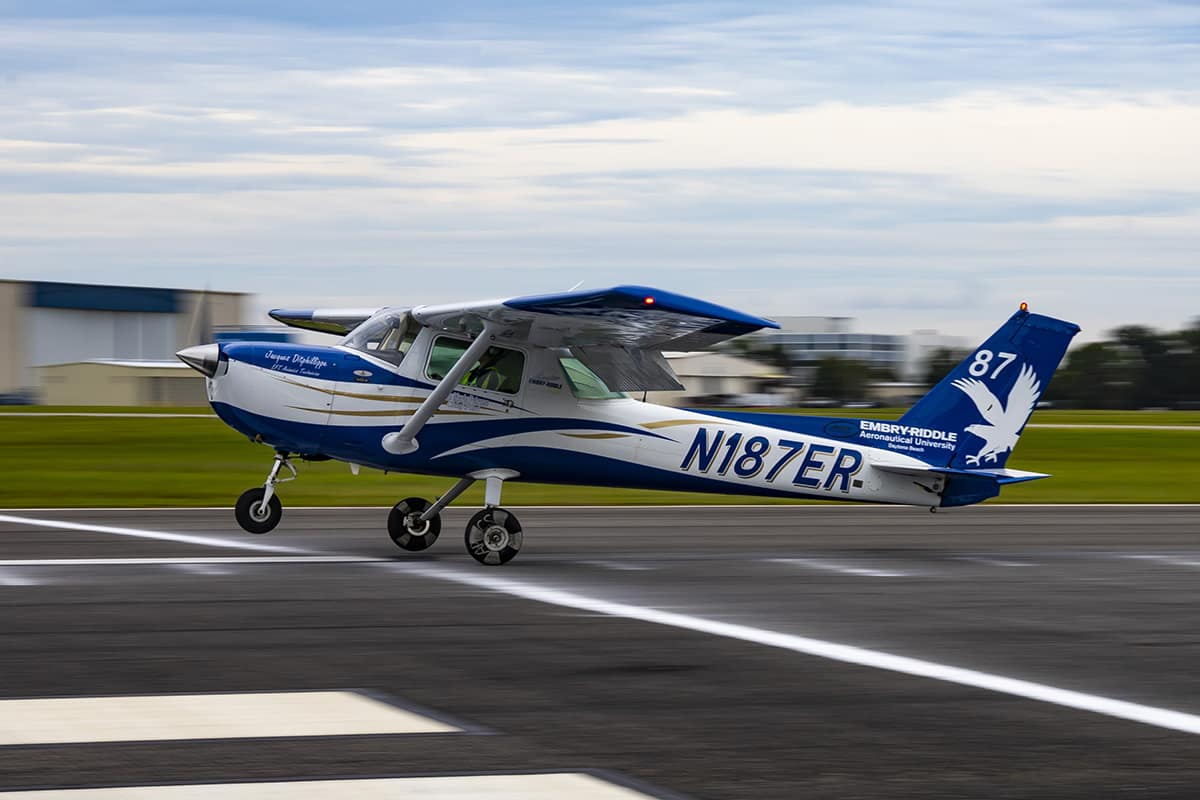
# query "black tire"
(406, 531)
(493, 537)
(250, 513)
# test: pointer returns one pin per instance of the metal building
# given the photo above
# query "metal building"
(44, 323)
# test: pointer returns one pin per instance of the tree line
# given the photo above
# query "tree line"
(1135, 367)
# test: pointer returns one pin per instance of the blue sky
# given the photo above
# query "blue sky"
(914, 165)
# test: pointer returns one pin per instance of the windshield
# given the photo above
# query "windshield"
(585, 384)
(387, 336)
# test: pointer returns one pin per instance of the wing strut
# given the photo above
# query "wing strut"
(404, 441)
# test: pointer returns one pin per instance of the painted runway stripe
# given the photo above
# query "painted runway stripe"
(619, 566)
(62, 720)
(797, 505)
(544, 786)
(215, 560)
(845, 569)
(183, 538)
(1172, 560)
(9, 577)
(995, 562)
(850, 654)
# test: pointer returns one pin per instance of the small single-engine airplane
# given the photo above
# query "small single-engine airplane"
(532, 389)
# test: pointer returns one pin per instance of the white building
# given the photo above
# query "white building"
(707, 374)
(810, 339)
(43, 323)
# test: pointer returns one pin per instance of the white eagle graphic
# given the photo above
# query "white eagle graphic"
(1003, 422)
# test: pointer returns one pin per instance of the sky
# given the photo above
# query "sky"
(910, 164)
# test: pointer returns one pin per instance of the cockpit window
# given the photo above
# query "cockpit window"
(498, 369)
(387, 336)
(585, 384)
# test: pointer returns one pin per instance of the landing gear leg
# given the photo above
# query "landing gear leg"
(493, 535)
(258, 510)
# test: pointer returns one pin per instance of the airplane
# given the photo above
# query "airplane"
(538, 389)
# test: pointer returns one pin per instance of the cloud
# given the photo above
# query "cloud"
(867, 159)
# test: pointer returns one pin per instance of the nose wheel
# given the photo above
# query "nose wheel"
(493, 536)
(257, 513)
(258, 510)
(408, 530)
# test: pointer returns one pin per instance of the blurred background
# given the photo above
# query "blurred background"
(889, 179)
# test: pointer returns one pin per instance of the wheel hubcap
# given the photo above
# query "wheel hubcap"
(259, 511)
(414, 525)
(495, 538)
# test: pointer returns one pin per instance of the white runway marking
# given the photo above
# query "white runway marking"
(1121, 709)
(61, 720)
(995, 562)
(216, 560)
(1173, 560)
(619, 566)
(800, 506)
(845, 569)
(10, 577)
(203, 569)
(546, 786)
(206, 541)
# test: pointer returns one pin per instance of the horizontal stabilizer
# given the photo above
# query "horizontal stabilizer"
(1001, 476)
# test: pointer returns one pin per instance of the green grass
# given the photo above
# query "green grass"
(1041, 417)
(98, 461)
(1046, 416)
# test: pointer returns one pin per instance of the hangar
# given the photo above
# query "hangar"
(44, 323)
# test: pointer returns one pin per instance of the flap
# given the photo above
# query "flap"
(629, 369)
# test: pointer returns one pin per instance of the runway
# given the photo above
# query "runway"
(755, 652)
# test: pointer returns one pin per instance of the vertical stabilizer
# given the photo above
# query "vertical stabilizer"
(987, 399)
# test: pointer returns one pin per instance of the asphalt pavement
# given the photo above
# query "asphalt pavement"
(783, 652)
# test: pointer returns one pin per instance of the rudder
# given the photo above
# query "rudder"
(987, 399)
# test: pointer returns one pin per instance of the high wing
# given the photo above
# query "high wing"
(619, 333)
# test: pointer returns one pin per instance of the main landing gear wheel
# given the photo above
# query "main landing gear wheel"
(406, 528)
(254, 515)
(493, 537)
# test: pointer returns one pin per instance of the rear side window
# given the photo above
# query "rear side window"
(585, 384)
(499, 369)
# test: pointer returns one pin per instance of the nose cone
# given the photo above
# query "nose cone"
(202, 358)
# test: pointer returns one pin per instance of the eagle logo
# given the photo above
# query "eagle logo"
(1004, 422)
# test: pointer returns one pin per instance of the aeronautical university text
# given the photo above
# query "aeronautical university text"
(906, 436)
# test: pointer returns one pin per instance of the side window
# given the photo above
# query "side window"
(585, 384)
(499, 369)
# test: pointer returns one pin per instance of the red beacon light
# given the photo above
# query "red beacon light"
(1024, 306)
(648, 301)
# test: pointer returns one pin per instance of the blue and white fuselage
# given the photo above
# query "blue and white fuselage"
(308, 400)
(419, 391)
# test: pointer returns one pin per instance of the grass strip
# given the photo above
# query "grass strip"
(113, 462)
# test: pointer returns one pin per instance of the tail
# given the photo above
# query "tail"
(985, 402)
